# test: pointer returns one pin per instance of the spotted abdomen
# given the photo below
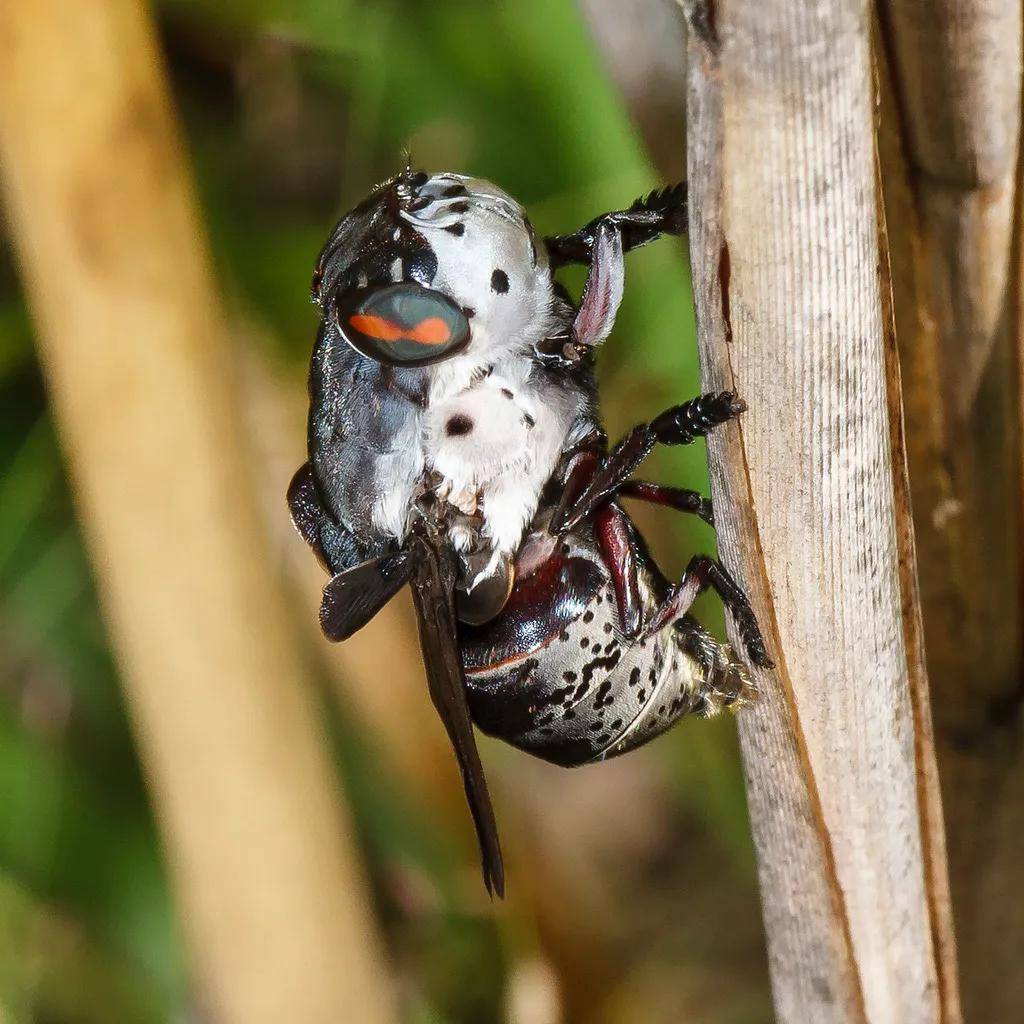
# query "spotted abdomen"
(578, 689)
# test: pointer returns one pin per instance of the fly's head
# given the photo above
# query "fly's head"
(427, 267)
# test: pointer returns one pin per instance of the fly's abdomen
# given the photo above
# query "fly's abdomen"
(592, 693)
(554, 674)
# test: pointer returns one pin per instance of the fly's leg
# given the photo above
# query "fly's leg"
(579, 470)
(617, 541)
(703, 573)
(682, 424)
(663, 212)
(682, 499)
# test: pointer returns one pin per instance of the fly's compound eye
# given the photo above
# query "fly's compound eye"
(403, 324)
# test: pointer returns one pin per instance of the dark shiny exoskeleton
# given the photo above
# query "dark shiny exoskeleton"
(572, 645)
(595, 653)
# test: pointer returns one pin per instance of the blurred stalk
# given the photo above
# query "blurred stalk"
(52, 970)
(643, 45)
(134, 347)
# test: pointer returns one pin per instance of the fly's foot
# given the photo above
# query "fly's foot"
(735, 600)
(702, 573)
(750, 633)
(683, 424)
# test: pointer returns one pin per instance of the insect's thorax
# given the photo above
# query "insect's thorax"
(483, 425)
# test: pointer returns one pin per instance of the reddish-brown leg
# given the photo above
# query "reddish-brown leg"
(614, 534)
(680, 498)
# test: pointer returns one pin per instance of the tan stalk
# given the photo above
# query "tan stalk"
(273, 898)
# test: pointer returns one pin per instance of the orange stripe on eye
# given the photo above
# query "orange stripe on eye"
(432, 331)
(377, 327)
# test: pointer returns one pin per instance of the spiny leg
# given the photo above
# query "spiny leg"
(682, 424)
(704, 572)
(661, 212)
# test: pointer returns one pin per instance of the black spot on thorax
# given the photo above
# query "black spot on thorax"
(499, 282)
(458, 426)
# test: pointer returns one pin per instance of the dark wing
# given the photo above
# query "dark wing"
(307, 512)
(433, 589)
(354, 596)
(361, 585)
(336, 547)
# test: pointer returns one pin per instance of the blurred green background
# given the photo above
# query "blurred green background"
(292, 111)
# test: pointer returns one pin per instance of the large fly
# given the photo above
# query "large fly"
(455, 446)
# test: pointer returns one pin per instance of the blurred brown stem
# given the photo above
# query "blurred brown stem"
(643, 45)
(143, 386)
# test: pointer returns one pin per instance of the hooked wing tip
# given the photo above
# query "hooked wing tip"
(494, 879)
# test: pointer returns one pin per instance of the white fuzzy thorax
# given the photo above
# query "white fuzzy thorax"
(518, 426)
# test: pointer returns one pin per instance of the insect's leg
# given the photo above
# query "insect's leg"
(592, 480)
(682, 424)
(704, 572)
(682, 499)
(614, 537)
(576, 468)
(661, 212)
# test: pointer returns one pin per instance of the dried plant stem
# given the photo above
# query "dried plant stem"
(810, 499)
